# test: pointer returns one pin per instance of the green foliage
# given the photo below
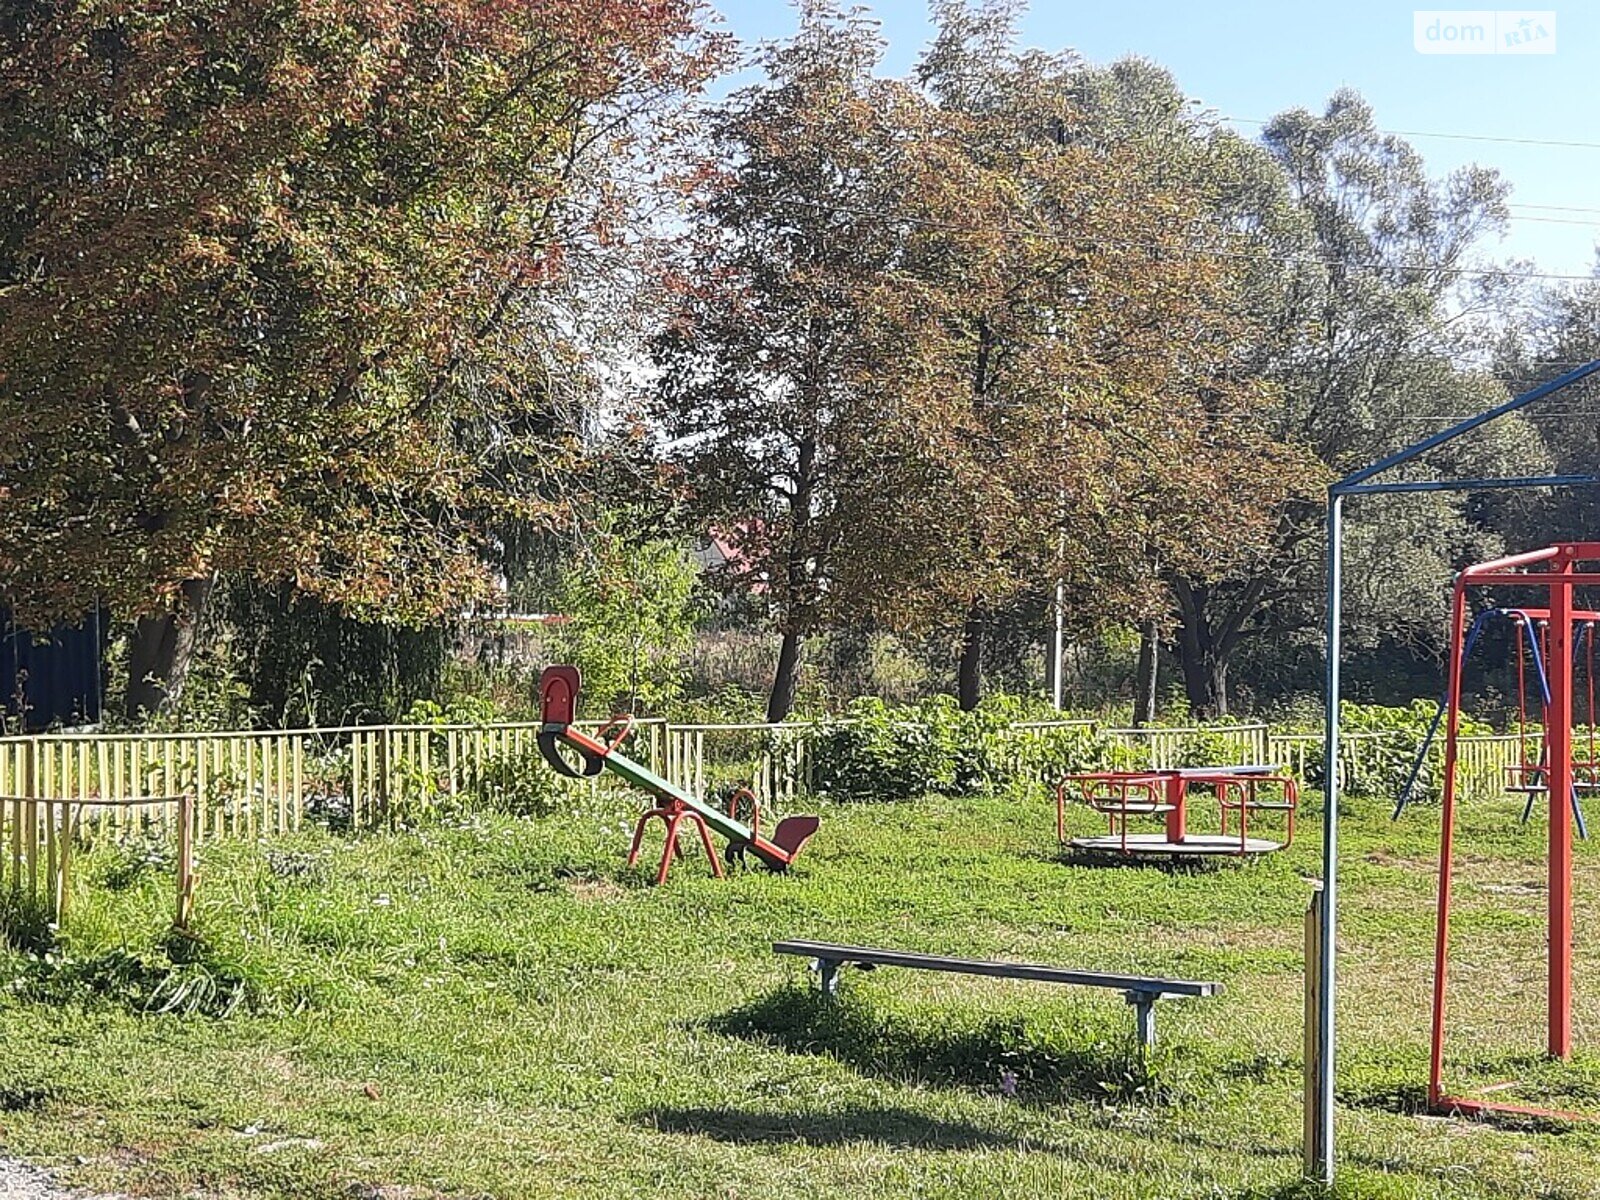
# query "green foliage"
(520, 785)
(216, 691)
(456, 710)
(1379, 759)
(310, 664)
(878, 752)
(730, 704)
(316, 335)
(633, 607)
(176, 976)
(1209, 746)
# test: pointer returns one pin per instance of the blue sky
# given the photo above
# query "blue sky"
(1251, 59)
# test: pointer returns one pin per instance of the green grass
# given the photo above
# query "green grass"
(497, 1008)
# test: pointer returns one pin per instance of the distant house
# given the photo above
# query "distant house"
(56, 678)
(717, 553)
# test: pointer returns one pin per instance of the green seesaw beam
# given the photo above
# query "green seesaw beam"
(773, 853)
(642, 777)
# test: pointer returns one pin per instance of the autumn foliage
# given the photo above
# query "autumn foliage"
(257, 261)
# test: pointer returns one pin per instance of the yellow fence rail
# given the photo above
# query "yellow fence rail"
(269, 782)
(41, 831)
(265, 783)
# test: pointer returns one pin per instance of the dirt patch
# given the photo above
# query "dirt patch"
(595, 891)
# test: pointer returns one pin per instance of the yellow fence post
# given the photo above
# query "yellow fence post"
(1311, 1144)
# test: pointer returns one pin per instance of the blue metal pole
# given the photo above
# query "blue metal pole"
(1465, 485)
(1471, 423)
(1330, 846)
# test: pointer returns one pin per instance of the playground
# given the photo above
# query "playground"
(501, 1007)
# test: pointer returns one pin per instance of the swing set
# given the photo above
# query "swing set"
(1555, 639)
(1529, 775)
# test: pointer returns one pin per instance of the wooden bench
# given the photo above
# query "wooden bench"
(1141, 991)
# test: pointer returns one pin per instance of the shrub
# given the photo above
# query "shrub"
(1379, 762)
(520, 785)
(879, 752)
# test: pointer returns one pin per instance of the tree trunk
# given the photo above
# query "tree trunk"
(797, 593)
(780, 703)
(1205, 676)
(969, 675)
(160, 650)
(1144, 676)
(1207, 639)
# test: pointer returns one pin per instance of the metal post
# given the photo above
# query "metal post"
(1314, 924)
(1558, 754)
(1144, 1018)
(1060, 642)
(1447, 825)
(1322, 1153)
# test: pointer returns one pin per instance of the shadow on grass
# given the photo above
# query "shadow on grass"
(180, 973)
(888, 1126)
(1000, 1055)
(1404, 1099)
(1410, 1099)
(1211, 864)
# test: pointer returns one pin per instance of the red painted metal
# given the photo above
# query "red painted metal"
(1165, 792)
(1558, 760)
(1441, 939)
(1496, 566)
(1177, 816)
(1558, 573)
(754, 802)
(791, 834)
(611, 743)
(558, 695)
(672, 813)
(1469, 1107)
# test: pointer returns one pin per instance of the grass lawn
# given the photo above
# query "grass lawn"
(497, 1008)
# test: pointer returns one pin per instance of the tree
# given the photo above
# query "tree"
(274, 287)
(1089, 294)
(793, 380)
(1561, 331)
(1360, 334)
(631, 609)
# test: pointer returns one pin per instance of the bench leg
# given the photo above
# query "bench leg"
(1144, 1019)
(828, 974)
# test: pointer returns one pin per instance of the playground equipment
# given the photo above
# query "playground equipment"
(1555, 569)
(1121, 795)
(1528, 775)
(558, 699)
(1141, 991)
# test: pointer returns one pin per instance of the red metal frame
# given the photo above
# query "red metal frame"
(1557, 572)
(1165, 792)
(1249, 801)
(673, 813)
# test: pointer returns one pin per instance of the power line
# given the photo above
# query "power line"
(1456, 137)
(1551, 220)
(1214, 252)
(1552, 207)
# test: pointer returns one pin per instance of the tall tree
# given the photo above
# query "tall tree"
(270, 274)
(1108, 422)
(791, 381)
(1358, 312)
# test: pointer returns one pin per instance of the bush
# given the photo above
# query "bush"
(879, 752)
(520, 785)
(1378, 766)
